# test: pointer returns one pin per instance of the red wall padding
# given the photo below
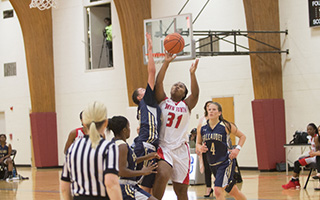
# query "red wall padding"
(270, 132)
(44, 138)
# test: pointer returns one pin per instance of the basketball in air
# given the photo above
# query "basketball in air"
(173, 43)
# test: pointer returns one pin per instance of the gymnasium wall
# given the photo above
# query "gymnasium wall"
(221, 76)
(14, 90)
(301, 71)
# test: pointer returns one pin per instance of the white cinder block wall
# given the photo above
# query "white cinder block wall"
(222, 76)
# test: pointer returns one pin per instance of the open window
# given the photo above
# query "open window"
(98, 48)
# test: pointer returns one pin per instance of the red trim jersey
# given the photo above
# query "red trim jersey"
(175, 120)
(80, 133)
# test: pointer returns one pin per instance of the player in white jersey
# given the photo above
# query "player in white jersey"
(173, 142)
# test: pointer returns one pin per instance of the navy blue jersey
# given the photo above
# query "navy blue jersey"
(148, 114)
(131, 159)
(4, 150)
(218, 142)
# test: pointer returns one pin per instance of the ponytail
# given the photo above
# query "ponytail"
(94, 135)
(94, 117)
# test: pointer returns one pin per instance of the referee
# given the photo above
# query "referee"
(91, 163)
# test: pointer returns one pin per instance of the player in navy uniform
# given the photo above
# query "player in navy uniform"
(148, 115)
(128, 161)
(215, 141)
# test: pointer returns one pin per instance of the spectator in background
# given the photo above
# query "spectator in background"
(192, 138)
(207, 170)
(303, 160)
(5, 153)
(108, 36)
(317, 154)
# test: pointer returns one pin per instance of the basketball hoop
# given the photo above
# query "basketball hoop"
(42, 4)
(158, 58)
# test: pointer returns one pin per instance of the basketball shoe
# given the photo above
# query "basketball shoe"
(293, 184)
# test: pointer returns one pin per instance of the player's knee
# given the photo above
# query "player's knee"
(218, 191)
(9, 161)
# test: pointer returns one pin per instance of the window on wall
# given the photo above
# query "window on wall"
(99, 37)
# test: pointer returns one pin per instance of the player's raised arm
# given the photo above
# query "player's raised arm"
(151, 65)
(160, 94)
(192, 99)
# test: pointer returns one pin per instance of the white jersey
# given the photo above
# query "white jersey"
(311, 141)
(175, 121)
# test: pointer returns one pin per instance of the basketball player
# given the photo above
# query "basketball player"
(173, 141)
(148, 115)
(75, 134)
(214, 139)
(128, 161)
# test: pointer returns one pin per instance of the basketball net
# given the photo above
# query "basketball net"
(43, 4)
(160, 58)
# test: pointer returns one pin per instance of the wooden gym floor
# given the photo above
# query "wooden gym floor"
(43, 184)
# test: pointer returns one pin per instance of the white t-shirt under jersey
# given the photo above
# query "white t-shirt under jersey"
(175, 120)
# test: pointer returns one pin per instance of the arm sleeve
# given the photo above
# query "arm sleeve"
(149, 97)
(112, 160)
(65, 174)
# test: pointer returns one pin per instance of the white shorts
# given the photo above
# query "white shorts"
(179, 159)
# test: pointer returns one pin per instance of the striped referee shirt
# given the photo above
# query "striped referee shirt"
(85, 167)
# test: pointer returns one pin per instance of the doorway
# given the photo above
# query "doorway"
(228, 111)
(2, 123)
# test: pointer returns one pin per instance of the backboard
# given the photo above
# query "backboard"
(161, 27)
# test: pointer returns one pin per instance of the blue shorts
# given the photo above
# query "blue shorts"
(224, 174)
(146, 181)
(132, 192)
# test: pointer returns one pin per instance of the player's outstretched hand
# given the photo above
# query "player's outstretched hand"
(149, 42)
(150, 168)
(169, 57)
(194, 66)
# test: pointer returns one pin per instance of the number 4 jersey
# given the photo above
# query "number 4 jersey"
(175, 120)
(217, 141)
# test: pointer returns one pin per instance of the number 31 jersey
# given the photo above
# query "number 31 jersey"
(175, 120)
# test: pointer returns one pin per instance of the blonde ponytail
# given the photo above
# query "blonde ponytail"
(94, 117)
(94, 135)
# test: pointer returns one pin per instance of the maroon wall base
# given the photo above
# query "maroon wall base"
(44, 139)
(270, 132)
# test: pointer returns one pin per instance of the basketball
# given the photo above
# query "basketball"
(173, 43)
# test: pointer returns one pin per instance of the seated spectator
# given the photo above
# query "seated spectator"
(303, 160)
(192, 138)
(5, 153)
(317, 154)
